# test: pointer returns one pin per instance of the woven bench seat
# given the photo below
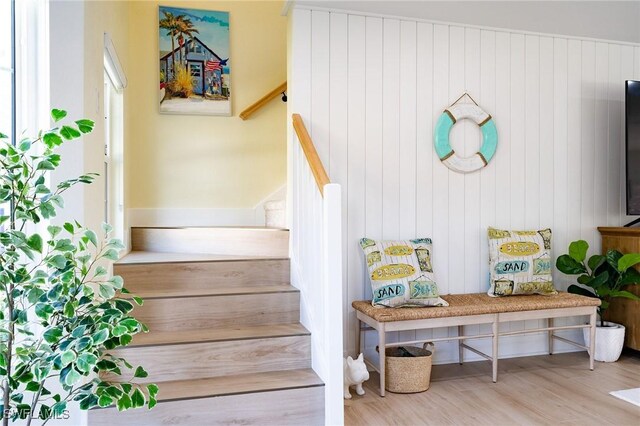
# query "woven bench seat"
(470, 309)
(475, 304)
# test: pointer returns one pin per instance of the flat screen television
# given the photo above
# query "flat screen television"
(632, 132)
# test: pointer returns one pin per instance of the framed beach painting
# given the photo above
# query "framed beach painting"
(194, 61)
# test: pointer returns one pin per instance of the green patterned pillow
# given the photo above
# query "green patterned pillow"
(401, 273)
(520, 262)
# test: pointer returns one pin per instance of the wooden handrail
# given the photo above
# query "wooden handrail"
(319, 173)
(248, 112)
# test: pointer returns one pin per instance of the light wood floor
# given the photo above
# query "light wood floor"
(540, 390)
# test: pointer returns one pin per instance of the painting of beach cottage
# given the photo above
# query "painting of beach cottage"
(194, 61)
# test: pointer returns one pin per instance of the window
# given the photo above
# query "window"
(113, 157)
(196, 70)
(7, 64)
(7, 79)
(31, 66)
(24, 72)
(114, 83)
(24, 67)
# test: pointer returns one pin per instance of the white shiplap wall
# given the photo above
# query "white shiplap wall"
(371, 89)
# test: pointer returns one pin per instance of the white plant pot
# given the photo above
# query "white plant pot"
(609, 341)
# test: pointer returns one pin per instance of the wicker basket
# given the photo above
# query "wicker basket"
(408, 374)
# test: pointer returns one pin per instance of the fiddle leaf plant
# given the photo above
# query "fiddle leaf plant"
(602, 276)
(60, 312)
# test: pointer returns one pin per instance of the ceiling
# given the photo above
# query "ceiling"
(611, 20)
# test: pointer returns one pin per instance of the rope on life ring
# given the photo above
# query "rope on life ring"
(448, 119)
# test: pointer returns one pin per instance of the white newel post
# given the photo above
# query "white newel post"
(332, 283)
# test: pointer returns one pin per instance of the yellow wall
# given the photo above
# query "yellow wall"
(181, 161)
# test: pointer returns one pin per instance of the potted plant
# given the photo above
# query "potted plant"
(604, 277)
(60, 311)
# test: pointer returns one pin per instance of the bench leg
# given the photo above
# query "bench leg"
(460, 348)
(550, 324)
(358, 335)
(592, 340)
(383, 353)
(494, 355)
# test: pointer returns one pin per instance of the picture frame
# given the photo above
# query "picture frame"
(194, 70)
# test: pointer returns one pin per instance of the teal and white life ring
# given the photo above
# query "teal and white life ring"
(443, 147)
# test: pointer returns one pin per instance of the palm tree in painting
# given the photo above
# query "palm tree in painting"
(171, 24)
(185, 29)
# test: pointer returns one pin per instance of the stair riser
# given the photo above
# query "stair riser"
(202, 277)
(188, 313)
(214, 359)
(303, 406)
(231, 241)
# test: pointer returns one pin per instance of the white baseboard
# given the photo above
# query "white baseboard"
(152, 217)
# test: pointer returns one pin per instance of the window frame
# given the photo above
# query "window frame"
(7, 208)
(13, 75)
(30, 74)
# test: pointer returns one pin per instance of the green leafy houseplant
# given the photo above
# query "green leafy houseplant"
(60, 312)
(602, 276)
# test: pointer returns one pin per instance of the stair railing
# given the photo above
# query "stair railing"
(251, 109)
(316, 263)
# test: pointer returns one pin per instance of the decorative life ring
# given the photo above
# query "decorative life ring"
(448, 156)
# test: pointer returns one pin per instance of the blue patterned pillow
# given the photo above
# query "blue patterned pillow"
(520, 262)
(401, 273)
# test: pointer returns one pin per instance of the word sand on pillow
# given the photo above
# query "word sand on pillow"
(401, 273)
(520, 262)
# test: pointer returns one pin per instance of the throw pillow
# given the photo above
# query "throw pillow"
(401, 273)
(520, 262)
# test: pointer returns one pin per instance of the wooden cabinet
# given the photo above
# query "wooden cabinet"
(624, 311)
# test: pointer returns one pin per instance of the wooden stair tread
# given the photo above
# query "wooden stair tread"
(237, 384)
(294, 407)
(140, 257)
(218, 334)
(213, 291)
(194, 360)
(214, 311)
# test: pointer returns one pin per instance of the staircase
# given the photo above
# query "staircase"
(225, 344)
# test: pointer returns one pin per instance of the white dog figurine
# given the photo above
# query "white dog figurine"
(355, 373)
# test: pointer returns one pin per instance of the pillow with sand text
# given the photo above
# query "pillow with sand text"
(520, 262)
(401, 273)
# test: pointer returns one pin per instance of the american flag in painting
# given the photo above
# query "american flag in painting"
(212, 65)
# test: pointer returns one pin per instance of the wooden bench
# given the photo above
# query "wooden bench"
(467, 309)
